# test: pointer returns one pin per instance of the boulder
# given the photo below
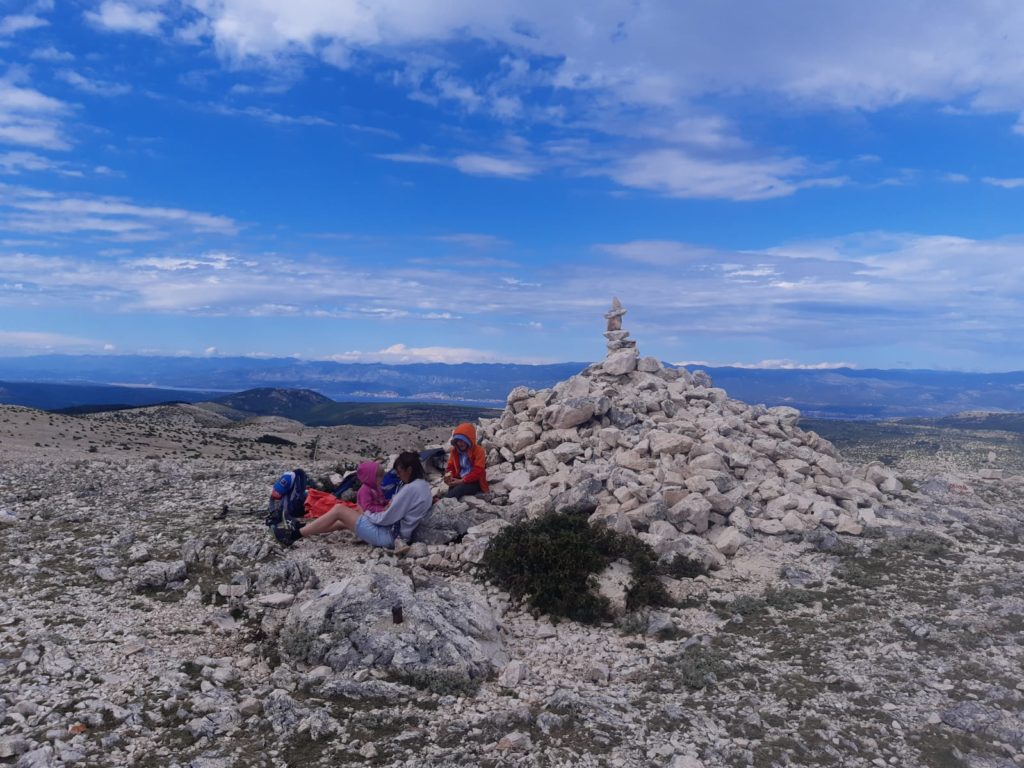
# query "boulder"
(727, 540)
(448, 636)
(449, 519)
(157, 574)
(620, 363)
(570, 413)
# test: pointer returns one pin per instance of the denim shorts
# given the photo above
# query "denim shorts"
(373, 534)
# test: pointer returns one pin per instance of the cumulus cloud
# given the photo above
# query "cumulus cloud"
(11, 25)
(619, 72)
(116, 16)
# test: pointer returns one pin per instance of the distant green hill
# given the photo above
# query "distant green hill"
(315, 410)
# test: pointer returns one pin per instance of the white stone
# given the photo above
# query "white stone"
(548, 461)
(620, 363)
(517, 741)
(613, 583)
(846, 524)
(630, 460)
(771, 527)
(668, 443)
(276, 599)
(727, 540)
(569, 413)
(795, 523)
(513, 674)
(663, 529)
(517, 479)
(648, 364)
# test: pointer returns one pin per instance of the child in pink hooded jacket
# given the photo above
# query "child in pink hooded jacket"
(370, 497)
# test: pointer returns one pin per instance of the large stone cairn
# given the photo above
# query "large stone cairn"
(662, 453)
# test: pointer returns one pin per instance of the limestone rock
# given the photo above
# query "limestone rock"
(157, 574)
(449, 519)
(620, 363)
(446, 634)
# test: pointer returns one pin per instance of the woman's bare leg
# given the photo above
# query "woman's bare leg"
(340, 518)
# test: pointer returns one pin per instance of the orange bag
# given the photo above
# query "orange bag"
(319, 503)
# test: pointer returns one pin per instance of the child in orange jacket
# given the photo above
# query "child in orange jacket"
(467, 465)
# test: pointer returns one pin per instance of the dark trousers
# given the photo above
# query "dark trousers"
(463, 489)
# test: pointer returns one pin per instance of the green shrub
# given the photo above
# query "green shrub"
(551, 563)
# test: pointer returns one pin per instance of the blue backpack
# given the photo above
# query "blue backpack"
(287, 499)
(390, 484)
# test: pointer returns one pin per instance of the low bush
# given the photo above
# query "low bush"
(552, 562)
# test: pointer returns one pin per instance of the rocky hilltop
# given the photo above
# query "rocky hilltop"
(849, 615)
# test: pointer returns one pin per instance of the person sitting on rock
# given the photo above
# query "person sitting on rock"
(395, 523)
(370, 497)
(467, 465)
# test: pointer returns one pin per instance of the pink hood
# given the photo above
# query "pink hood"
(367, 473)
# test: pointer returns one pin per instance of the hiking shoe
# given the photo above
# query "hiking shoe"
(286, 535)
(401, 546)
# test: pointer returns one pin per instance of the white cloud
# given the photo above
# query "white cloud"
(125, 17)
(855, 56)
(659, 252)
(400, 353)
(50, 53)
(30, 118)
(956, 178)
(11, 25)
(375, 131)
(485, 165)
(416, 158)
(679, 174)
(785, 365)
(17, 162)
(788, 303)
(269, 116)
(91, 85)
(617, 71)
(27, 210)
(470, 164)
(1004, 183)
(28, 342)
(473, 240)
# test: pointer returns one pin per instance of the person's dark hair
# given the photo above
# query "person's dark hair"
(410, 460)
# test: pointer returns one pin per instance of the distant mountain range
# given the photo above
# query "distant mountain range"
(838, 394)
(315, 410)
(472, 383)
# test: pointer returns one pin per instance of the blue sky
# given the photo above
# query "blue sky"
(786, 184)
